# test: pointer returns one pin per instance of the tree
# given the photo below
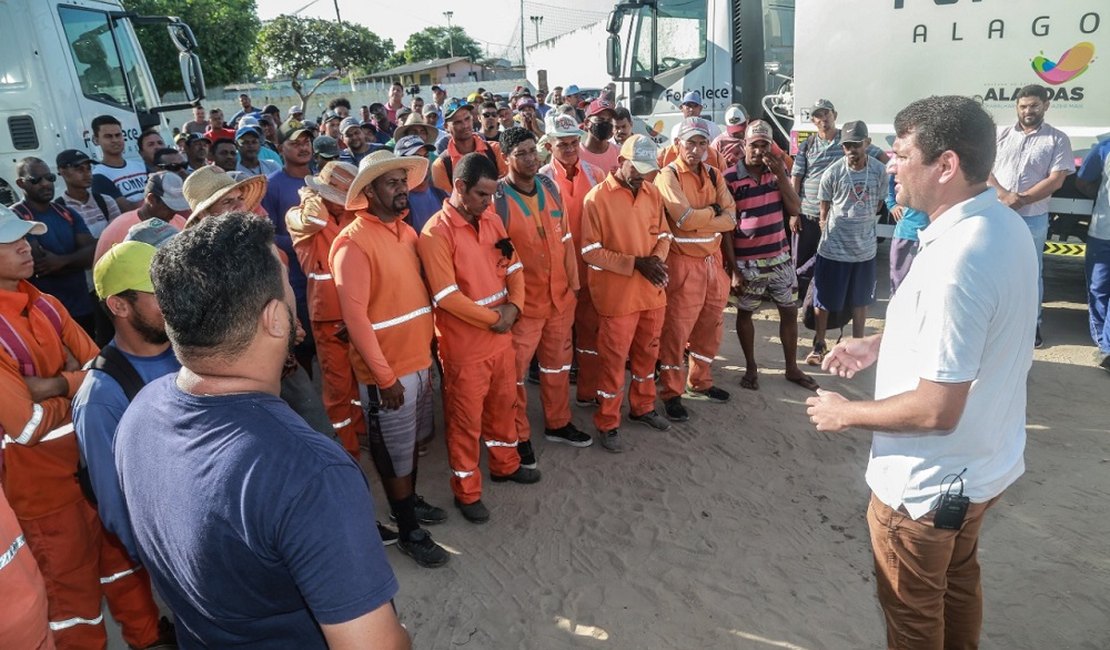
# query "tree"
(299, 47)
(433, 43)
(225, 31)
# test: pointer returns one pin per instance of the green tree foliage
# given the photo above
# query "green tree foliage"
(298, 48)
(225, 31)
(433, 43)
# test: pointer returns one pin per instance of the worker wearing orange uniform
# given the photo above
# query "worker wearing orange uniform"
(700, 209)
(477, 286)
(314, 225)
(389, 316)
(459, 122)
(24, 623)
(536, 226)
(625, 239)
(575, 177)
(40, 370)
(713, 158)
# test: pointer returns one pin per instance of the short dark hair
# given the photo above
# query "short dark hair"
(951, 123)
(217, 143)
(103, 120)
(513, 137)
(1032, 90)
(146, 134)
(162, 153)
(398, 84)
(484, 105)
(621, 113)
(214, 110)
(212, 282)
(473, 167)
(339, 101)
(23, 167)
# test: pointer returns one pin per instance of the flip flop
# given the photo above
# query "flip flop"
(805, 381)
(750, 382)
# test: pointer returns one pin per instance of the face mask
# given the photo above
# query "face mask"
(602, 130)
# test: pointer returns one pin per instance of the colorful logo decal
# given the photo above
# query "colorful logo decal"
(1072, 63)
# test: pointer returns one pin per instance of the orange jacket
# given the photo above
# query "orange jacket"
(616, 229)
(313, 229)
(688, 194)
(669, 154)
(38, 475)
(545, 249)
(383, 299)
(441, 175)
(468, 276)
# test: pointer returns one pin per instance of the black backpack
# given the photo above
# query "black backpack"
(111, 362)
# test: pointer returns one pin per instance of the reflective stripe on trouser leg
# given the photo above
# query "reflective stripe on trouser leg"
(644, 353)
(705, 338)
(340, 387)
(556, 356)
(499, 413)
(66, 544)
(585, 343)
(614, 340)
(691, 290)
(393, 433)
(127, 589)
(526, 338)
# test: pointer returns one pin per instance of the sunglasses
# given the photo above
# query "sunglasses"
(35, 180)
(173, 167)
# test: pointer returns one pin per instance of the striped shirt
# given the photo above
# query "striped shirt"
(760, 233)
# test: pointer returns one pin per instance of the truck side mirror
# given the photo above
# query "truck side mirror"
(192, 76)
(613, 25)
(182, 37)
(613, 56)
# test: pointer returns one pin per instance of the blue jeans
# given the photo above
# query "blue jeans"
(1098, 291)
(1038, 227)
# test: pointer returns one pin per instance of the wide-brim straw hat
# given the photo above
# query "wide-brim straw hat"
(333, 181)
(413, 124)
(207, 185)
(382, 162)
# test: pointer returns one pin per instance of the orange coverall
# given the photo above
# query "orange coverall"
(573, 185)
(618, 227)
(468, 276)
(667, 155)
(697, 292)
(440, 177)
(313, 229)
(24, 623)
(546, 249)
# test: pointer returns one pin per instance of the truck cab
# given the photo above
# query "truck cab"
(64, 63)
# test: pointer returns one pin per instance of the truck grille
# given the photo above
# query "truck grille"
(22, 130)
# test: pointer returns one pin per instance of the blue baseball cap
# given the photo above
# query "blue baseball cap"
(692, 97)
(571, 90)
(245, 130)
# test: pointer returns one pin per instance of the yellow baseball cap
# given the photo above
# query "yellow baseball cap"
(125, 266)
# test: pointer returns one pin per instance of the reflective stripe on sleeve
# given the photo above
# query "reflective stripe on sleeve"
(494, 298)
(13, 548)
(514, 268)
(32, 424)
(592, 247)
(401, 319)
(697, 240)
(446, 291)
(319, 276)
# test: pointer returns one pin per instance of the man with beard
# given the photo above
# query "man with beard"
(596, 149)
(389, 318)
(149, 143)
(1033, 160)
(463, 140)
(138, 354)
(622, 125)
(490, 118)
(267, 529)
(357, 145)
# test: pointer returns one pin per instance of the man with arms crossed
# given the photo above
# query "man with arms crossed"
(949, 413)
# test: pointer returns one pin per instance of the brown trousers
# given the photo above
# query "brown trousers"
(928, 578)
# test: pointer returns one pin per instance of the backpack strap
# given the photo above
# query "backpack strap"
(14, 344)
(99, 198)
(501, 203)
(112, 362)
(52, 315)
(552, 190)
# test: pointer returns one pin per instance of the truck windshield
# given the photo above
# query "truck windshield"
(680, 36)
(106, 58)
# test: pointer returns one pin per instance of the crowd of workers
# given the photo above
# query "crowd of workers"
(161, 321)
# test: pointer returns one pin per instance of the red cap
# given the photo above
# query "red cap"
(599, 106)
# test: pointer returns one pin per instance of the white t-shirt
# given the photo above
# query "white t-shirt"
(965, 312)
(128, 181)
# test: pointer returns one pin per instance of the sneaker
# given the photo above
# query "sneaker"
(527, 456)
(426, 513)
(674, 410)
(611, 441)
(420, 547)
(522, 475)
(711, 394)
(652, 419)
(1038, 342)
(388, 535)
(569, 435)
(475, 513)
(586, 403)
(815, 357)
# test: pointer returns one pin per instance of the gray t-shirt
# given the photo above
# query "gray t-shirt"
(849, 235)
(814, 157)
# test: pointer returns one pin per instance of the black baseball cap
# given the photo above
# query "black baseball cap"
(72, 158)
(853, 132)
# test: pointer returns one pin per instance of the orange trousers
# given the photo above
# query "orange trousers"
(697, 295)
(585, 345)
(636, 337)
(479, 402)
(126, 586)
(550, 339)
(340, 386)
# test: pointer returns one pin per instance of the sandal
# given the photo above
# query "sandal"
(750, 382)
(816, 356)
(805, 381)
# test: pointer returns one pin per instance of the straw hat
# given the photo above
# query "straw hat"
(207, 185)
(382, 162)
(413, 124)
(333, 181)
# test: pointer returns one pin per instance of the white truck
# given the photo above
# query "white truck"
(870, 58)
(64, 63)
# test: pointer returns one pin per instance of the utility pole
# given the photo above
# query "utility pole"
(450, 39)
(337, 18)
(536, 21)
(522, 64)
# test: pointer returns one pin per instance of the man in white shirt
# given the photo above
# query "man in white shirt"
(949, 413)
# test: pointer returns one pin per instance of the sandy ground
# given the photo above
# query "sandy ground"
(744, 528)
